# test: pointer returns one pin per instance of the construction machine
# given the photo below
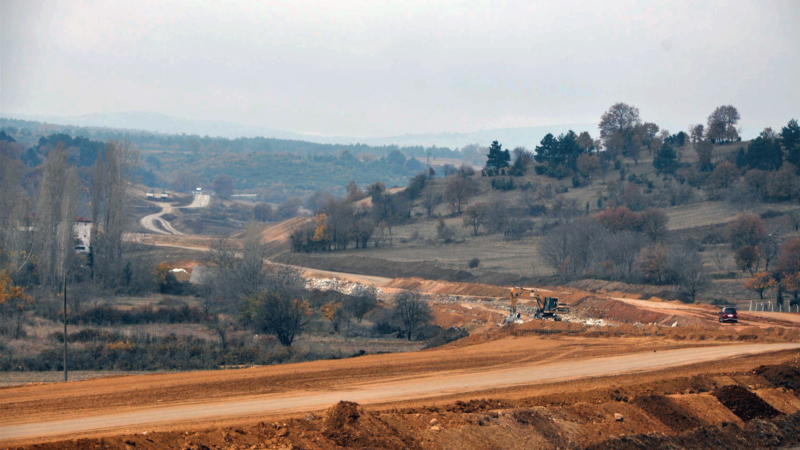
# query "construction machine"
(546, 307)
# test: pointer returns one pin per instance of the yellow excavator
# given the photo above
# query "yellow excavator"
(546, 307)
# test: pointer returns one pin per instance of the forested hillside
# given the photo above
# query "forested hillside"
(275, 168)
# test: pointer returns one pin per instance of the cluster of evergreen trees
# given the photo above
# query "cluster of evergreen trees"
(559, 154)
(768, 151)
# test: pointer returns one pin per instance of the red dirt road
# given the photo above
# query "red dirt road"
(379, 390)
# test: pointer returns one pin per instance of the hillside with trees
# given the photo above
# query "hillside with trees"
(274, 168)
(637, 205)
(700, 216)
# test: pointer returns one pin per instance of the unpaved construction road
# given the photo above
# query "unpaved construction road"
(385, 388)
(156, 224)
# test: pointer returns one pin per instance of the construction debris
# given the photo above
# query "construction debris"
(343, 286)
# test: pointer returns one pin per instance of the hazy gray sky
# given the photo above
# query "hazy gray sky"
(368, 69)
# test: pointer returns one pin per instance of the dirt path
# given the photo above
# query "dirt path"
(156, 224)
(710, 313)
(363, 279)
(391, 390)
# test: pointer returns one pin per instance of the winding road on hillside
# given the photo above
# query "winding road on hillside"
(156, 224)
(382, 389)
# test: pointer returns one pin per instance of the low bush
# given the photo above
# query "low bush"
(503, 184)
(87, 335)
(474, 263)
(157, 353)
(445, 336)
(725, 276)
(108, 315)
(384, 327)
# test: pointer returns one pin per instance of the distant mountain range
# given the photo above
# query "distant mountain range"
(155, 122)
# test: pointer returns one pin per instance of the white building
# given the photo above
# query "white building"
(81, 231)
(83, 234)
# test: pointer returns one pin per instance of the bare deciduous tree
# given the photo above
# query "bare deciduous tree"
(620, 118)
(696, 132)
(361, 302)
(475, 215)
(111, 205)
(429, 200)
(16, 245)
(722, 123)
(55, 216)
(457, 192)
(412, 311)
(794, 219)
(685, 269)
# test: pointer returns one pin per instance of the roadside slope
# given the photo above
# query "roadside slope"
(383, 389)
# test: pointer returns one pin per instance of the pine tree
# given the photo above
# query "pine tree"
(666, 161)
(547, 150)
(569, 150)
(497, 157)
(741, 158)
(790, 139)
(764, 153)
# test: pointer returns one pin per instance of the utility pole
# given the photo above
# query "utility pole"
(65, 329)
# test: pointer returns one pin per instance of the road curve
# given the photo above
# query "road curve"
(149, 222)
(454, 382)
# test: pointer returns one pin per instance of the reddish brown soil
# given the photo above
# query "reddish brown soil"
(745, 404)
(781, 375)
(614, 413)
(92, 397)
(668, 412)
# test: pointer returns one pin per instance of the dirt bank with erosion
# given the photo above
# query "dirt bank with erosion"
(749, 404)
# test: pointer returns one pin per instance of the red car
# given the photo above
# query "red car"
(728, 314)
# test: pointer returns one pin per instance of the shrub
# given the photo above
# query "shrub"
(503, 184)
(107, 315)
(87, 335)
(383, 327)
(474, 263)
(747, 230)
(153, 353)
(445, 336)
(445, 232)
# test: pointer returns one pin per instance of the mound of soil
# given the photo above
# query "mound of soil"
(667, 412)
(758, 434)
(347, 425)
(782, 375)
(620, 311)
(545, 426)
(610, 309)
(745, 404)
